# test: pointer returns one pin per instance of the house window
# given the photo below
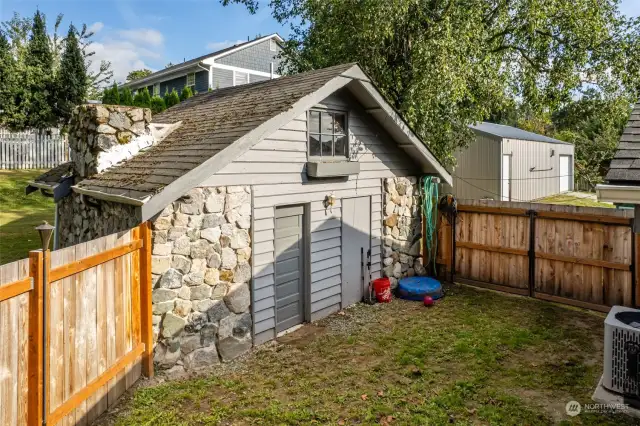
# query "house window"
(272, 45)
(156, 89)
(240, 78)
(191, 79)
(328, 135)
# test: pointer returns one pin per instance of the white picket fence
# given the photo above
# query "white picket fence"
(32, 151)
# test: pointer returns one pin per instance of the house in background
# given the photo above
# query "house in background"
(623, 177)
(248, 62)
(510, 164)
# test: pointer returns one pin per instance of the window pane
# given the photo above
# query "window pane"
(314, 121)
(314, 145)
(327, 144)
(327, 123)
(339, 123)
(341, 146)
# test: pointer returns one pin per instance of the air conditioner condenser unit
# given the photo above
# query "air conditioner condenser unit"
(622, 351)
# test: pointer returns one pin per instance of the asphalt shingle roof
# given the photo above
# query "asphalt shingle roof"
(509, 132)
(210, 122)
(625, 166)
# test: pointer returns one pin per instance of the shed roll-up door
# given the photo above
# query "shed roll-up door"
(289, 271)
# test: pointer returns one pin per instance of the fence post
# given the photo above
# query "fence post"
(532, 252)
(454, 217)
(35, 398)
(145, 299)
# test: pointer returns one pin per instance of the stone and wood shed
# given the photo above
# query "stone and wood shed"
(264, 200)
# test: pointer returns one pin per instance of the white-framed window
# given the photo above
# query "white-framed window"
(328, 136)
(156, 89)
(272, 45)
(240, 78)
(191, 79)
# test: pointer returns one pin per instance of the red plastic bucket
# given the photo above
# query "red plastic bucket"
(382, 288)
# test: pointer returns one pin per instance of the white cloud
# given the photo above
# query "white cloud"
(219, 45)
(95, 27)
(126, 49)
(143, 36)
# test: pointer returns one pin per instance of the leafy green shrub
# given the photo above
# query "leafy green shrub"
(142, 98)
(157, 105)
(186, 93)
(126, 98)
(171, 99)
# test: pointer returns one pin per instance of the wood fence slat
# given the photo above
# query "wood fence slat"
(72, 402)
(15, 288)
(36, 336)
(145, 300)
(583, 255)
(94, 260)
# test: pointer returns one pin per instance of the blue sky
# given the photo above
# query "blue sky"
(135, 34)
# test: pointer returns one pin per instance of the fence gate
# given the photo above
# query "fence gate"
(75, 329)
(574, 255)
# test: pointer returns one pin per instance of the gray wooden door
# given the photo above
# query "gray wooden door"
(356, 241)
(289, 247)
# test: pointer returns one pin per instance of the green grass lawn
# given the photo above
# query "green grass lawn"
(477, 357)
(571, 199)
(20, 213)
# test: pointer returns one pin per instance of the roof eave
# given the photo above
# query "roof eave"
(618, 193)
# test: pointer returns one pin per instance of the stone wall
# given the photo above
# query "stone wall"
(201, 271)
(103, 135)
(82, 219)
(402, 229)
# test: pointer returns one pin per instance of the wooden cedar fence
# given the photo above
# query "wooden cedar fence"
(75, 337)
(579, 256)
(33, 151)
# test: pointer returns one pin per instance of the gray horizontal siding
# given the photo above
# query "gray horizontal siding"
(222, 78)
(202, 81)
(275, 167)
(257, 57)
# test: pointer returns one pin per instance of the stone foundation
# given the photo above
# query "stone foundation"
(402, 229)
(202, 271)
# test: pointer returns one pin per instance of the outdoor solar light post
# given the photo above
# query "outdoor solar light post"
(45, 231)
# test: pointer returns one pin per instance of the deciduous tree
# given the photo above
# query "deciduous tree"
(445, 64)
(138, 74)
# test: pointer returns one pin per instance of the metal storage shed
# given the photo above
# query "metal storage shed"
(506, 163)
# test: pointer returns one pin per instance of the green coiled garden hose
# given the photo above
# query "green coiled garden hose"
(430, 212)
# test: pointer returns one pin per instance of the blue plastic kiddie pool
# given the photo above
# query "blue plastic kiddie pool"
(416, 288)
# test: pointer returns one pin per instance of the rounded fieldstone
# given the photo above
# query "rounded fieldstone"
(212, 220)
(214, 203)
(181, 263)
(239, 239)
(200, 249)
(200, 292)
(202, 357)
(211, 234)
(182, 307)
(214, 260)
(242, 273)
(172, 278)
(194, 279)
(217, 311)
(212, 276)
(163, 295)
(203, 305)
(229, 259)
(238, 298)
(172, 325)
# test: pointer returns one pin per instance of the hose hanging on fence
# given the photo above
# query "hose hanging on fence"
(430, 212)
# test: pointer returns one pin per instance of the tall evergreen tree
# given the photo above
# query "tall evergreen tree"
(157, 104)
(172, 98)
(142, 98)
(10, 115)
(39, 76)
(126, 98)
(72, 78)
(186, 93)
